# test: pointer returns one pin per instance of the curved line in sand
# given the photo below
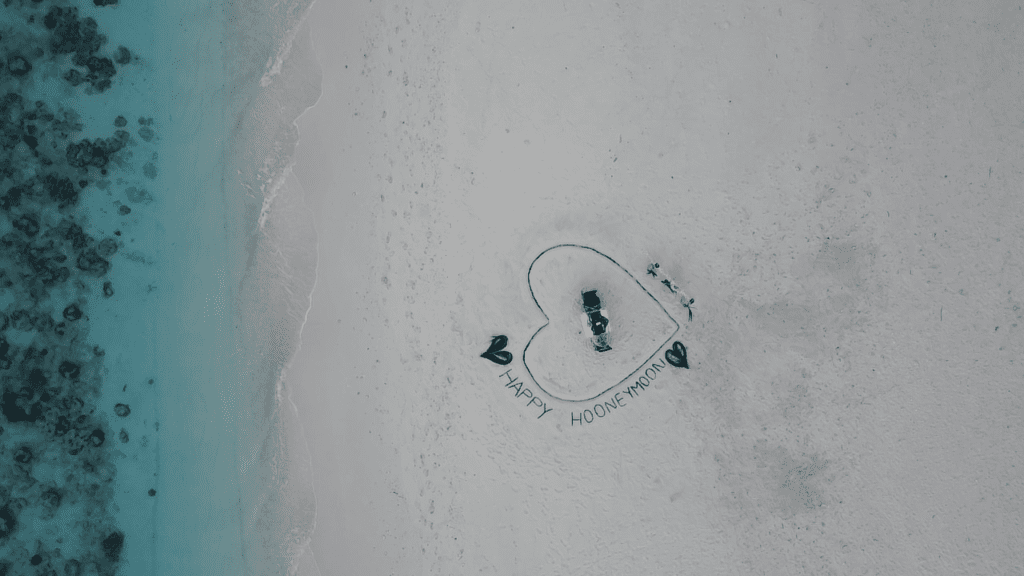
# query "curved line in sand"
(548, 321)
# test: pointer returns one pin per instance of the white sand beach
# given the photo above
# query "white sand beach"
(837, 186)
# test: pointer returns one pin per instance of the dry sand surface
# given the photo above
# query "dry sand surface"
(836, 185)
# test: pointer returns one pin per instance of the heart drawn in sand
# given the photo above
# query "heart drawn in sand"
(496, 352)
(676, 356)
(603, 325)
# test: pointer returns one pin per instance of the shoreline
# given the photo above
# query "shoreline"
(272, 295)
(218, 390)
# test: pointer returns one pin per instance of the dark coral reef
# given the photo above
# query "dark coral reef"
(50, 373)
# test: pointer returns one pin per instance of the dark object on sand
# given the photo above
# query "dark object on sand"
(677, 356)
(496, 353)
(597, 321)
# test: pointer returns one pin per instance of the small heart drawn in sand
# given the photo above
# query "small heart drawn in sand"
(496, 352)
(676, 356)
(602, 324)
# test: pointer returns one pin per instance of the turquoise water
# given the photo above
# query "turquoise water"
(155, 273)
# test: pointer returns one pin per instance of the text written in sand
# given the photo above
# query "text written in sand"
(676, 356)
(618, 399)
(521, 391)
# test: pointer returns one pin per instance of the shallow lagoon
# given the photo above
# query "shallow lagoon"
(135, 168)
